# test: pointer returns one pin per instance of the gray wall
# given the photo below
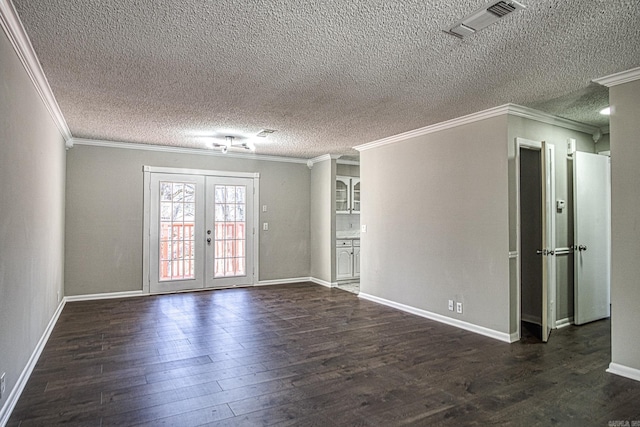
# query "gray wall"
(323, 222)
(436, 210)
(104, 215)
(625, 230)
(32, 173)
(530, 129)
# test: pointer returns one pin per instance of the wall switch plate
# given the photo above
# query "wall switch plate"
(363, 228)
(2, 384)
(450, 305)
(459, 307)
(265, 226)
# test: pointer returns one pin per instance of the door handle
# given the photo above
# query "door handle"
(209, 241)
(582, 248)
(545, 252)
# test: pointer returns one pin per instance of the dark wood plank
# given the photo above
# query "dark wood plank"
(306, 355)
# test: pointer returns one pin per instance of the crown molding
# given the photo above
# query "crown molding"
(512, 109)
(17, 35)
(482, 115)
(197, 151)
(322, 158)
(619, 78)
(348, 162)
(550, 119)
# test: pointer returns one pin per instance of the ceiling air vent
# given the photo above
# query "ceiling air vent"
(501, 8)
(265, 133)
(482, 18)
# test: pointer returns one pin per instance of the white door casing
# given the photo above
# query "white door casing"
(167, 255)
(592, 237)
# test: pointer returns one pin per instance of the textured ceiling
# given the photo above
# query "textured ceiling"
(327, 75)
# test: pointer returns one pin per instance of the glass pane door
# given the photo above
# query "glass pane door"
(176, 235)
(229, 225)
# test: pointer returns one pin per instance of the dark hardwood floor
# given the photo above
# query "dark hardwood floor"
(306, 355)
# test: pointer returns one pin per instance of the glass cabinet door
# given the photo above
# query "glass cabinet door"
(355, 196)
(342, 195)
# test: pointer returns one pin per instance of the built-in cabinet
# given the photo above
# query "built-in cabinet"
(347, 259)
(347, 194)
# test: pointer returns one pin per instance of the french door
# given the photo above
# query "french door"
(201, 231)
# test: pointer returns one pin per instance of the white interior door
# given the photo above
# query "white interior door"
(548, 239)
(537, 235)
(592, 236)
(230, 232)
(176, 235)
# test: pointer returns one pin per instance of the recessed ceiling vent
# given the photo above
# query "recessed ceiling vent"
(265, 133)
(482, 18)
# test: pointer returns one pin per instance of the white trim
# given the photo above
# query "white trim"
(283, 281)
(256, 224)
(17, 35)
(563, 323)
(322, 158)
(348, 162)
(619, 78)
(501, 336)
(201, 172)
(17, 390)
(550, 119)
(182, 150)
(624, 371)
(322, 282)
(106, 295)
(513, 109)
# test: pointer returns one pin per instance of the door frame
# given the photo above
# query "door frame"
(549, 228)
(146, 212)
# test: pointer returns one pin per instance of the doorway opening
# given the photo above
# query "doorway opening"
(200, 230)
(536, 237)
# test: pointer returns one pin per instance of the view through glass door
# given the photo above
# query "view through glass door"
(201, 232)
(229, 232)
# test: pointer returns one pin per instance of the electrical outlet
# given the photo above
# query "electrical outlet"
(450, 305)
(2, 384)
(265, 226)
(264, 208)
(459, 307)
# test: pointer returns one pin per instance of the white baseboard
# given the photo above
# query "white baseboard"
(106, 295)
(501, 336)
(624, 371)
(563, 323)
(13, 397)
(283, 281)
(322, 282)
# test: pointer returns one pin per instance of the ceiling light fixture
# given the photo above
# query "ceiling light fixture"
(606, 111)
(482, 18)
(230, 142)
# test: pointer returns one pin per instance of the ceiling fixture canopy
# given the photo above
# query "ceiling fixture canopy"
(482, 18)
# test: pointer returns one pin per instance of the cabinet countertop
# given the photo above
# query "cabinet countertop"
(347, 234)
